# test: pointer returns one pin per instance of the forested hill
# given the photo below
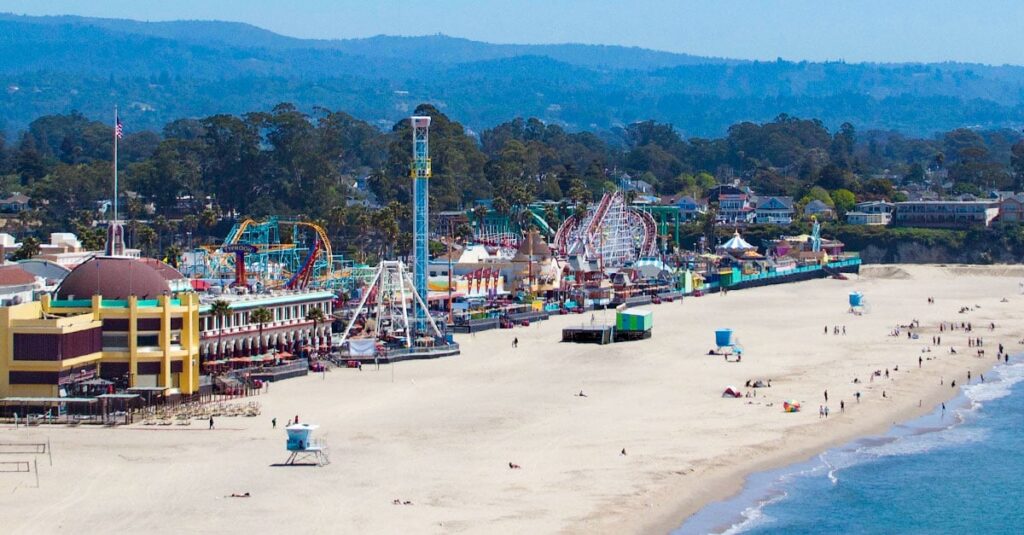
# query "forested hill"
(167, 70)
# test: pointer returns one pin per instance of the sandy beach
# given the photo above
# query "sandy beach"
(441, 434)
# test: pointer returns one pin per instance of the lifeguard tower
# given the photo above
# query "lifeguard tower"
(727, 343)
(303, 447)
(858, 305)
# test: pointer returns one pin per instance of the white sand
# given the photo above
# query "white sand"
(441, 433)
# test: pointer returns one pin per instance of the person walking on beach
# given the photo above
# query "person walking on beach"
(273, 423)
(515, 342)
(826, 412)
(211, 422)
(826, 396)
(821, 411)
(842, 406)
(857, 395)
(826, 329)
(844, 330)
(920, 361)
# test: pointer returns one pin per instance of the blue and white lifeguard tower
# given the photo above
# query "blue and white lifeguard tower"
(303, 447)
(727, 342)
(858, 305)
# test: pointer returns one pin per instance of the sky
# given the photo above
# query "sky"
(980, 31)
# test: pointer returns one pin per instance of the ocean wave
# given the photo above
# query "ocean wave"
(754, 516)
(1000, 387)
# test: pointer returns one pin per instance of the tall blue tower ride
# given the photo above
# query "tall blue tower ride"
(420, 173)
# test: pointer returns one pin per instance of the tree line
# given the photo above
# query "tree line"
(189, 181)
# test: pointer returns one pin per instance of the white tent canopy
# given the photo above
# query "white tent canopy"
(736, 243)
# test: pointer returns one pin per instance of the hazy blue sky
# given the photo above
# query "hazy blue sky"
(986, 31)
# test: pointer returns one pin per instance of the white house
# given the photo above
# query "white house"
(870, 213)
(735, 208)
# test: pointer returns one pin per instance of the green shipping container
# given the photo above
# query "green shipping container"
(634, 319)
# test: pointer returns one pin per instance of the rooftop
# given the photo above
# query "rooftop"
(275, 297)
(15, 276)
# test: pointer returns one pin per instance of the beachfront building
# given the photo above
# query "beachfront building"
(774, 211)
(947, 214)
(871, 213)
(801, 249)
(236, 334)
(113, 318)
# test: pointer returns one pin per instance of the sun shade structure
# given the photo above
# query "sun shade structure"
(736, 243)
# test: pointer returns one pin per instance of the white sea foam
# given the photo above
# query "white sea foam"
(754, 516)
(1006, 377)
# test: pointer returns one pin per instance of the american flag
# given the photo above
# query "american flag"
(118, 129)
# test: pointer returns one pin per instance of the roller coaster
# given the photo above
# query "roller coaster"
(611, 234)
(499, 231)
(303, 259)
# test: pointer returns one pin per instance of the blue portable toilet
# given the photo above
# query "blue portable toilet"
(856, 299)
(723, 337)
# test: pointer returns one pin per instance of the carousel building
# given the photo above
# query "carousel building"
(113, 318)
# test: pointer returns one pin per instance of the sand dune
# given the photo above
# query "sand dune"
(440, 434)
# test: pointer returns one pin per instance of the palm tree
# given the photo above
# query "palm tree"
(29, 248)
(316, 315)
(261, 316)
(172, 255)
(220, 309)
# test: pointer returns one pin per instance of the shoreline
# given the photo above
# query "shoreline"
(740, 481)
(441, 433)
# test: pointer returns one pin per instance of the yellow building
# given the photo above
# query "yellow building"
(115, 318)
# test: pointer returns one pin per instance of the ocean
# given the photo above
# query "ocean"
(958, 471)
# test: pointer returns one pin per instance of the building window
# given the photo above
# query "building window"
(147, 340)
(51, 347)
(115, 341)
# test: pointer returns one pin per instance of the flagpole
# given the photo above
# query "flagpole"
(115, 163)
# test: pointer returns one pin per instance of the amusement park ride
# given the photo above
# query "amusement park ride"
(499, 233)
(384, 307)
(254, 252)
(611, 234)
